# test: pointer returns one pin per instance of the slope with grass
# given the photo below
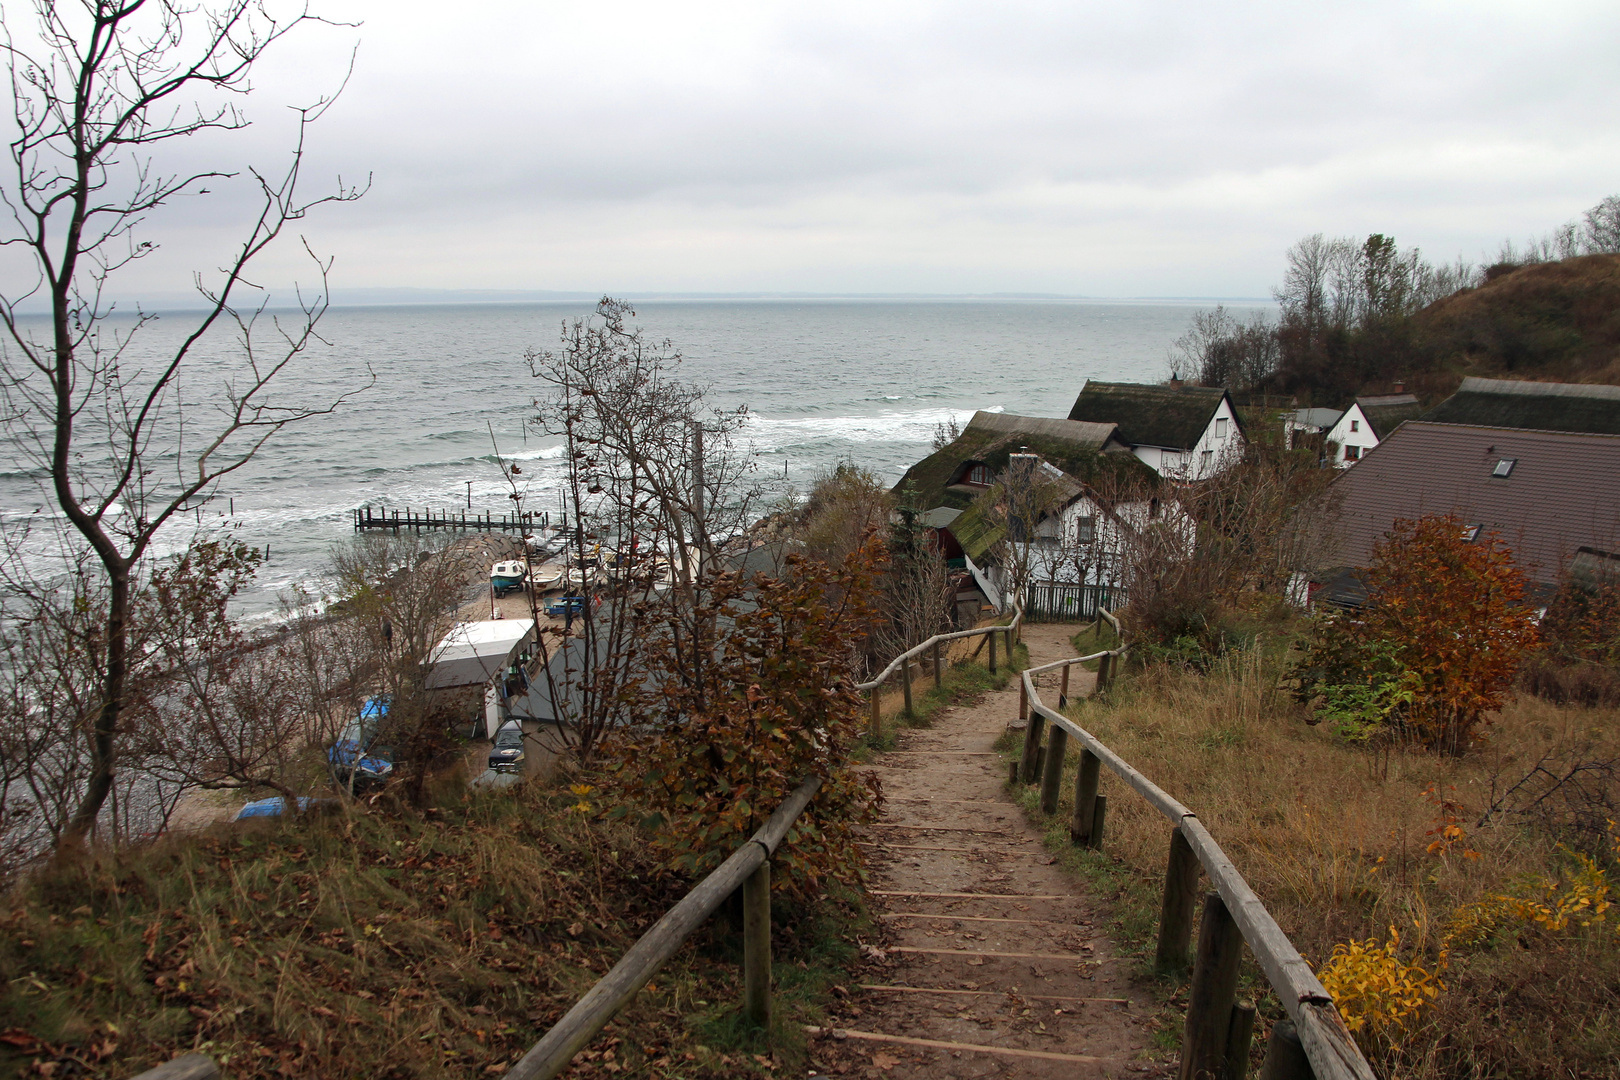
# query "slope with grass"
(382, 942)
(1348, 844)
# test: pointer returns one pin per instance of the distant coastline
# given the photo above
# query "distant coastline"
(414, 297)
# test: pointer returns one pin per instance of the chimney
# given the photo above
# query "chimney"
(1400, 388)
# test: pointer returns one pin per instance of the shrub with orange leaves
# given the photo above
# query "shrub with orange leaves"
(773, 704)
(1444, 621)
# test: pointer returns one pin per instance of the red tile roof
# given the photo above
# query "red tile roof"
(1563, 491)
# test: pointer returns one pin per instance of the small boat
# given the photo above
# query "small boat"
(546, 577)
(508, 576)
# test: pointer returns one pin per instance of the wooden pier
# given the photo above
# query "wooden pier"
(407, 520)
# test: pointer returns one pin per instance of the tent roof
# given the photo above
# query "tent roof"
(472, 653)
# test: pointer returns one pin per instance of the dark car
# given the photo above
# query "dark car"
(355, 755)
(507, 753)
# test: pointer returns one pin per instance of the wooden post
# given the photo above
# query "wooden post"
(905, 677)
(1239, 1035)
(1102, 674)
(1085, 796)
(1023, 700)
(1057, 744)
(1063, 691)
(939, 671)
(1213, 992)
(992, 636)
(1176, 912)
(1285, 1055)
(1032, 747)
(1099, 818)
(875, 729)
(757, 945)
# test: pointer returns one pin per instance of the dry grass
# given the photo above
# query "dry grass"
(386, 944)
(1336, 838)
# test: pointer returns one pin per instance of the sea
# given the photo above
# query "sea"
(440, 392)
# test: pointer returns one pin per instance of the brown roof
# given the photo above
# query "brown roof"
(1562, 492)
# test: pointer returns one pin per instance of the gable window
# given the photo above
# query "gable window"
(978, 474)
(1355, 425)
(1504, 468)
(1085, 530)
(1352, 453)
(1220, 428)
(1205, 460)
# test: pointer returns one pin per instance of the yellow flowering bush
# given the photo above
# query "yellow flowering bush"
(1377, 992)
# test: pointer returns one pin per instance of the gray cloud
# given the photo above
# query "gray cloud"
(1162, 148)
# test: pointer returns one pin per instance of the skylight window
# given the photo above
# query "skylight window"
(1504, 468)
(1469, 533)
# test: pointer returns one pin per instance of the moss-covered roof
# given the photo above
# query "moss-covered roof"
(979, 528)
(1173, 417)
(1538, 406)
(1386, 413)
(1087, 452)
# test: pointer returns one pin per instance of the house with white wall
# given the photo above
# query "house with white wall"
(1367, 422)
(1180, 432)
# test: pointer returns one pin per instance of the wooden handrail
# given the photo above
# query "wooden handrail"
(917, 650)
(1321, 1030)
(591, 1013)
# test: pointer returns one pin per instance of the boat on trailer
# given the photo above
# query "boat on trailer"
(508, 576)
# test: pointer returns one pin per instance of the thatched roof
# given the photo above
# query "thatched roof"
(1538, 406)
(1173, 417)
(1084, 451)
(1386, 412)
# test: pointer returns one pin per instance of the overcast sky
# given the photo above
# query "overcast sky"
(1151, 149)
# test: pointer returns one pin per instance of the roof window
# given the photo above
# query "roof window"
(1470, 532)
(1504, 467)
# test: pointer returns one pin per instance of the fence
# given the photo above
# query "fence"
(1058, 601)
(1215, 1041)
(934, 648)
(748, 867)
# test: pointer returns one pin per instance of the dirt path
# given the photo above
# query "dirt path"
(994, 964)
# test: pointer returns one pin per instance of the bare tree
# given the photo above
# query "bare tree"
(660, 494)
(100, 87)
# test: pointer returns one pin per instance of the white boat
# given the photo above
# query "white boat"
(508, 576)
(546, 577)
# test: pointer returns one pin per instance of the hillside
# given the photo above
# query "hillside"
(1557, 321)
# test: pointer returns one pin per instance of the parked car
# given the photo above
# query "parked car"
(506, 755)
(566, 605)
(355, 753)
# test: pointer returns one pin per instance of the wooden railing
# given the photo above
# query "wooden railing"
(749, 867)
(1216, 1039)
(1009, 633)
